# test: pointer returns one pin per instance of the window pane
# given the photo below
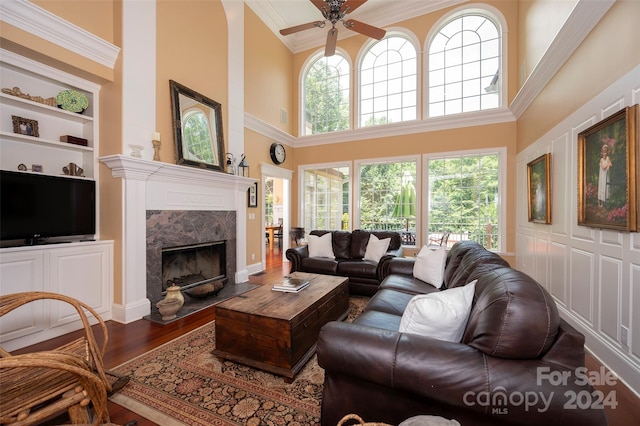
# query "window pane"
(472, 40)
(326, 198)
(326, 95)
(394, 63)
(464, 199)
(388, 198)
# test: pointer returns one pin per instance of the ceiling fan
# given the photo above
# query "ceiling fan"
(335, 11)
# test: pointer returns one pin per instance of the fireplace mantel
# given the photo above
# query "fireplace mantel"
(153, 185)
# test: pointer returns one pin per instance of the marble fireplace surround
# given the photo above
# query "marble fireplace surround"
(152, 185)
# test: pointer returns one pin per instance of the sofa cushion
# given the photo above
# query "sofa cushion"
(359, 240)
(441, 315)
(389, 301)
(376, 248)
(379, 319)
(429, 265)
(321, 246)
(407, 284)
(357, 268)
(319, 265)
(341, 244)
(513, 316)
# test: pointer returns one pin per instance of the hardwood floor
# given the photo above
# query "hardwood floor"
(130, 340)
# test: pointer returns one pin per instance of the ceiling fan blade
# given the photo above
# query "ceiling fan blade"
(332, 39)
(366, 29)
(302, 27)
(320, 4)
(352, 5)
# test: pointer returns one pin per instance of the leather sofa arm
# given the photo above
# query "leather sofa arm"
(381, 270)
(295, 256)
(400, 266)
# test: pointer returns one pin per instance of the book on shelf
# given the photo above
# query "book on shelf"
(291, 285)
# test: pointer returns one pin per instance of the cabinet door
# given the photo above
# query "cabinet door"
(20, 272)
(82, 272)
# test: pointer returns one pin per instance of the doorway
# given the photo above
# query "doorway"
(276, 210)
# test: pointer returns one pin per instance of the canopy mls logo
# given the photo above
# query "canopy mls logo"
(499, 400)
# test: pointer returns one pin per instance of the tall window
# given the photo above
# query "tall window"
(388, 197)
(464, 66)
(388, 82)
(464, 197)
(326, 95)
(326, 198)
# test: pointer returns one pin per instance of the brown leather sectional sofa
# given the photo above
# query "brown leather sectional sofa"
(502, 372)
(349, 249)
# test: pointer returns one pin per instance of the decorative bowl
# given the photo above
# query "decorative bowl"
(168, 308)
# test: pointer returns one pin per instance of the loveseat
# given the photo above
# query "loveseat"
(499, 373)
(348, 250)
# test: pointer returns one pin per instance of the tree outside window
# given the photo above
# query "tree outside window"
(381, 189)
(326, 95)
(464, 198)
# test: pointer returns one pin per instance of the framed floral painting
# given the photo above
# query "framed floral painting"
(539, 189)
(608, 173)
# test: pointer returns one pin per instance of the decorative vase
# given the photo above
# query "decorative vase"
(168, 308)
(174, 292)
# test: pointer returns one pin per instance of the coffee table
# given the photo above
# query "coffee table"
(277, 331)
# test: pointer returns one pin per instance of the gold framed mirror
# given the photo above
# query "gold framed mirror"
(197, 126)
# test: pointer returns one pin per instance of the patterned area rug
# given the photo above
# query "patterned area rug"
(181, 382)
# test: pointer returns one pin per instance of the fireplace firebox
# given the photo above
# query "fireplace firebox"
(193, 265)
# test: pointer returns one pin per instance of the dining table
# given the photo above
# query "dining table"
(270, 229)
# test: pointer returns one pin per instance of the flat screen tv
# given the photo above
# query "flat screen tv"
(35, 207)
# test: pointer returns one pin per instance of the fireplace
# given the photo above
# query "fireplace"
(189, 248)
(193, 265)
(169, 205)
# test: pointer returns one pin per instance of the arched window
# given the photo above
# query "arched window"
(464, 65)
(196, 135)
(388, 82)
(326, 95)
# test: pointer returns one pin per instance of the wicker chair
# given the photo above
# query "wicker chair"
(39, 386)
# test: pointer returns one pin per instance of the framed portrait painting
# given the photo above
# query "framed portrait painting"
(539, 189)
(608, 173)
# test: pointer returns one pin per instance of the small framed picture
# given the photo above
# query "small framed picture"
(25, 126)
(539, 188)
(608, 173)
(36, 168)
(252, 195)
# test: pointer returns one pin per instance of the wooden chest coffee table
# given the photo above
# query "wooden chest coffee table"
(277, 331)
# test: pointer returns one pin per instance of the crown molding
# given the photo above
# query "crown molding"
(381, 16)
(254, 123)
(581, 21)
(479, 118)
(35, 20)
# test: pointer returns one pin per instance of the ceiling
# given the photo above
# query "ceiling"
(279, 14)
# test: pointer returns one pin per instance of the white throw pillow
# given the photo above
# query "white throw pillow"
(442, 315)
(376, 248)
(429, 265)
(320, 246)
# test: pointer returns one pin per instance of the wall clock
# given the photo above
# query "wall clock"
(278, 153)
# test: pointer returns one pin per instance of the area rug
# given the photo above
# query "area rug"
(182, 383)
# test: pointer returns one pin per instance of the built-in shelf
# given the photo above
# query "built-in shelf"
(44, 108)
(44, 142)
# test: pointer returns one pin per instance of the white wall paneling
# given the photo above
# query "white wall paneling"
(593, 274)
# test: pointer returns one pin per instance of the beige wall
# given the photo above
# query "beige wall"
(539, 21)
(609, 51)
(191, 49)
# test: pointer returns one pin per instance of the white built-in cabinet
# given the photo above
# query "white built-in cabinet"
(83, 270)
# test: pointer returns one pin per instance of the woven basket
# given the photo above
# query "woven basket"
(359, 420)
